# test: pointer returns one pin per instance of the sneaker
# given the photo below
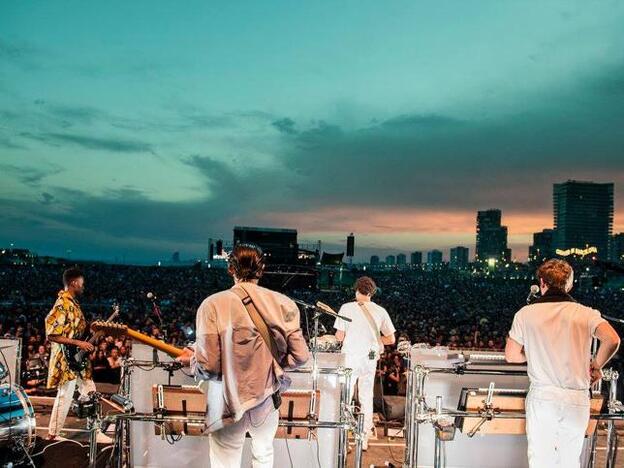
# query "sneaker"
(365, 445)
(54, 438)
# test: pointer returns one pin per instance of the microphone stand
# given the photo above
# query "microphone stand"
(316, 315)
(163, 331)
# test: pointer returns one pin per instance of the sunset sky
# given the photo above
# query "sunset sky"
(135, 129)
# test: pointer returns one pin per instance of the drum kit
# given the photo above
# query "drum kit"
(17, 420)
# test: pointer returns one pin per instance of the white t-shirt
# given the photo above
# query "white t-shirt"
(557, 339)
(359, 338)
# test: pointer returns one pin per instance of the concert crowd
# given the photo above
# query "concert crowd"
(448, 308)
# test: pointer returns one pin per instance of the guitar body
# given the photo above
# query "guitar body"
(78, 359)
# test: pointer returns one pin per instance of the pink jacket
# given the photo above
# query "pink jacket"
(233, 357)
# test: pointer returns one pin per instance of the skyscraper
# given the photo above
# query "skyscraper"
(583, 216)
(401, 259)
(491, 238)
(459, 257)
(374, 260)
(416, 258)
(617, 248)
(542, 248)
(434, 257)
(390, 260)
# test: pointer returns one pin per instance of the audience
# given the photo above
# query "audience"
(443, 307)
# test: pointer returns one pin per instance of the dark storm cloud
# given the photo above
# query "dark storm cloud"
(285, 125)
(449, 163)
(75, 114)
(21, 54)
(7, 143)
(30, 176)
(416, 121)
(93, 143)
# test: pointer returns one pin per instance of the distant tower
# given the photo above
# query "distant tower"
(350, 247)
(211, 250)
(491, 238)
(416, 258)
(459, 257)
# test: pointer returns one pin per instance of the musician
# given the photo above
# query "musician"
(363, 342)
(232, 354)
(553, 336)
(63, 324)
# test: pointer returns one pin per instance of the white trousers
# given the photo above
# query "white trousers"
(226, 445)
(63, 400)
(364, 371)
(556, 421)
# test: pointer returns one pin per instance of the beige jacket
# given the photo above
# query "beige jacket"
(233, 357)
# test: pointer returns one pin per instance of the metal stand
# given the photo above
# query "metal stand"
(418, 412)
(347, 421)
(613, 407)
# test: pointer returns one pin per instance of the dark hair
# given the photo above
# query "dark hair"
(71, 274)
(555, 273)
(365, 285)
(246, 262)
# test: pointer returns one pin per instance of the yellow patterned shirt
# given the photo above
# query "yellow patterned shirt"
(65, 319)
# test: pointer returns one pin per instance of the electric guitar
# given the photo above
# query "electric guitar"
(77, 359)
(118, 329)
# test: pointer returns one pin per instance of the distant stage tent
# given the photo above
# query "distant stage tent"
(332, 259)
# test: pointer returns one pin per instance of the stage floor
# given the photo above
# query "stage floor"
(74, 452)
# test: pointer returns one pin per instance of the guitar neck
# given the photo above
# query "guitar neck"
(171, 350)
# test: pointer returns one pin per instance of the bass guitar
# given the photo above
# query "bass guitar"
(77, 359)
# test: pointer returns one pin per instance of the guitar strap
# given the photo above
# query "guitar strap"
(263, 329)
(257, 320)
(372, 324)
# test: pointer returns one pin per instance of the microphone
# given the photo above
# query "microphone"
(532, 294)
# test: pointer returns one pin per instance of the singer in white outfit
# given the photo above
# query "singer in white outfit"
(553, 336)
(363, 341)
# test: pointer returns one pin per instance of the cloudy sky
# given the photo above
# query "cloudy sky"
(135, 129)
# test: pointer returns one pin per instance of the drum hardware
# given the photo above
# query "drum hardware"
(87, 408)
(17, 424)
(487, 411)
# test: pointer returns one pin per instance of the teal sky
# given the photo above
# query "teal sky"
(139, 128)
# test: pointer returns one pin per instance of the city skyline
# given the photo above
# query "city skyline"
(192, 119)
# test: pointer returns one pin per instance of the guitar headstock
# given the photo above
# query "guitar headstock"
(109, 328)
(325, 307)
(115, 313)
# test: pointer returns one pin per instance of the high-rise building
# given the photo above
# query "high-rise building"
(390, 260)
(583, 216)
(350, 245)
(434, 257)
(374, 260)
(401, 259)
(617, 248)
(542, 248)
(416, 258)
(459, 257)
(491, 245)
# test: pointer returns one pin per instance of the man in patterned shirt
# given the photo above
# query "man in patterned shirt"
(63, 325)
